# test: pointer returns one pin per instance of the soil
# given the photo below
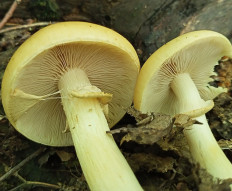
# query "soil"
(164, 165)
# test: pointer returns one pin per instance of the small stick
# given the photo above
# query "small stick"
(34, 183)
(25, 26)
(22, 163)
(9, 14)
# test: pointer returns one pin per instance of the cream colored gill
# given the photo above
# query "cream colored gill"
(195, 53)
(30, 91)
(58, 34)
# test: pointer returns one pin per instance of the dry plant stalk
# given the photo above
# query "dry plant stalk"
(9, 14)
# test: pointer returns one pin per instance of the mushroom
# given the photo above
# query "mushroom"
(175, 79)
(66, 85)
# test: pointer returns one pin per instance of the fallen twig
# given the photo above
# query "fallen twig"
(9, 14)
(18, 27)
(22, 163)
(34, 183)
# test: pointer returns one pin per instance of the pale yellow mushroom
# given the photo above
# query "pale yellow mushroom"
(175, 79)
(59, 85)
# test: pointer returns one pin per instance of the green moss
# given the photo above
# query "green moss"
(46, 10)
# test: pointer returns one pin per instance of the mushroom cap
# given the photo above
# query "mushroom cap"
(30, 93)
(195, 53)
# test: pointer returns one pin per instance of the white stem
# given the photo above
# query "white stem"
(202, 144)
(102, 163)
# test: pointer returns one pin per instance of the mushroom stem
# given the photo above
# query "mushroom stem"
(102, 163)
(202, 144)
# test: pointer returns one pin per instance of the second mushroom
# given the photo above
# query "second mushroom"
(175, 79)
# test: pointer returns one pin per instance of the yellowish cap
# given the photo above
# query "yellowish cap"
(30, 92)
(195, 53)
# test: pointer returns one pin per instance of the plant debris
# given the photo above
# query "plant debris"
(150, 162)
(221, 116)
(152, 127)
(147, 133)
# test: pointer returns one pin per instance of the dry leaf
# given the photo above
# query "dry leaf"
(210, 183)
(176, 142)
(64, 156)
(44, 158)
(149, 131)
(182, 120)
(151, 127)
(138, 115)
(150, 162)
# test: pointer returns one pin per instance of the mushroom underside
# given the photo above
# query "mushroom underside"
(197, 62)
(35, 101)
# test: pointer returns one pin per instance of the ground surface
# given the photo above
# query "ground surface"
(148, 24)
